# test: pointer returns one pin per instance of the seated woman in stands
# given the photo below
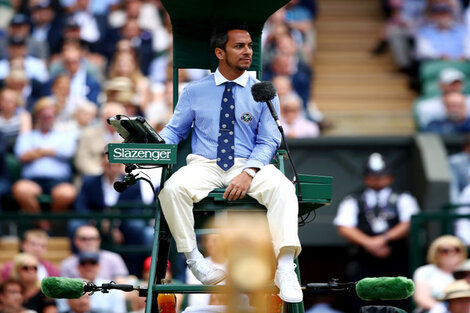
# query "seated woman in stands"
(445, 254)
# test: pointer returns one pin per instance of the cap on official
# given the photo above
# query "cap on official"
(376, 165)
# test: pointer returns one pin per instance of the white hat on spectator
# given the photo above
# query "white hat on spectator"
(450, 75)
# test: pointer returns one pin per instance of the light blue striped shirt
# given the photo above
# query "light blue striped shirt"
(256, 133)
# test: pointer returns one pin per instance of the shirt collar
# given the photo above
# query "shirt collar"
(240, 80)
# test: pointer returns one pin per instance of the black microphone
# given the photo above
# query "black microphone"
(128, 180)
(265, 92)
(120, 186)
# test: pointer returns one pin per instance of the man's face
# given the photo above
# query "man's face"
(36, 246)
(17, 51)
(378, 182)
(461, 305)
(80, 305)
(88, 269)
(11, 296)
(45, 118)
(238, 51)
(19, 30)
(72, 58)
(455, 106)
(8, 101)
(455, 86)
(87, 239)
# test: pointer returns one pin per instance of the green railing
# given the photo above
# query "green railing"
(419, 241)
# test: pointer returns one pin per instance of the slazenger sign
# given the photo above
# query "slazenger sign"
(142, 153)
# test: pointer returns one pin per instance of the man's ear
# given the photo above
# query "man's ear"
(219, 53)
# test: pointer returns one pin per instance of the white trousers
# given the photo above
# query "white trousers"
(193, 182)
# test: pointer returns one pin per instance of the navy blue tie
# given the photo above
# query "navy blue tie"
(226, 148)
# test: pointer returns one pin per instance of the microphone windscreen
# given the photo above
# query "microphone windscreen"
(263, 91)
(119, 186)
(62, 287)
(385, 288)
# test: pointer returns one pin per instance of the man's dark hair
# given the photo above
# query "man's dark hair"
(10, 281)
(219, 35)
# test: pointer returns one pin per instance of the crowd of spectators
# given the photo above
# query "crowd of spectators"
(65, 67)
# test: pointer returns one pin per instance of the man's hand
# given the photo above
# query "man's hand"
(377, 246)
(238, 187)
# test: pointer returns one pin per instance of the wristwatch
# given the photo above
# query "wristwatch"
(250, 172)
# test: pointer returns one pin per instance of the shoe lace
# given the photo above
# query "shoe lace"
(288, 278)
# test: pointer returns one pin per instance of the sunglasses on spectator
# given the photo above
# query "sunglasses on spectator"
(84, 238)
(29, 268)
(449, 250)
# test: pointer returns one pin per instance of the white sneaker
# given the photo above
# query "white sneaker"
(289, 286)
(205, 272)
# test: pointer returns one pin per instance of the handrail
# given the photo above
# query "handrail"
(416, 251)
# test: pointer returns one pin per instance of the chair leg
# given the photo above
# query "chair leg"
(164, 237)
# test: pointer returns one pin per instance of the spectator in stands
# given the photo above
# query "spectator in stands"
(98, 195)
(450, 80)
(406, 17)
(35, 242)
(80, 305)
(445, 254)
(148, 18)
(442, 37)
(457, 296)
(456, 119)
(376, 220)
(89, 268)
(87, 239)
(17, 50)
(82, 83)
(287, 64)
(463, 271)
(299, 18)
(47, 26)
(141, 42)
(91, 144)
(46, 157)
(292, 119)
(11, 297)
(13, 118)
(30, 90)
(160, 110)
(91, 25)
(460, 173)
(4, 174)
(125, 64)
(20, 27)
(25, 267)
(93, 63)
(216, 256)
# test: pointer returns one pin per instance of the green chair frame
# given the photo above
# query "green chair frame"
(192, 22)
